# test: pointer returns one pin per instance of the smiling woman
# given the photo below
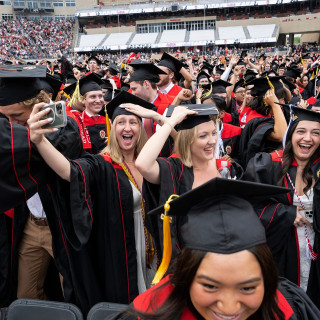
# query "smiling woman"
(228, 276)
(292, 221)
(110, 221)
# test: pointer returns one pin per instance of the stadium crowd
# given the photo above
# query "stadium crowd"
(224, 131)
(34, 39)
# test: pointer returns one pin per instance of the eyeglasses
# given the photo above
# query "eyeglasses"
(242, 92)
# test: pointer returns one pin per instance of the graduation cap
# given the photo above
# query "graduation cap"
(262, 85)
(114, 110)
(262, 56)
(170, 62)
(241, 63)
(88, 83)
(202, 75)
(110, 94)
(113, 68)
(291, 86)
(299, 114)
(106, 84)
(220, 86)
(203, 115)
(292, 72)
(282, 66)
(247, 77)
(244, 53)
(217, 216)
(219, 70)
(95, 59)
(207, 66)
(306, 56)
(146, 71)
(19, 83)
(51, 85)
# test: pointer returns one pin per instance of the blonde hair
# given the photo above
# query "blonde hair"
(113, 148)
(182, 145)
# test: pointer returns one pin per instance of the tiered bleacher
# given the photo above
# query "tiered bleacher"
(117, 40)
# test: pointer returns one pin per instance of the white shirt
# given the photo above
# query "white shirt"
(167, 89)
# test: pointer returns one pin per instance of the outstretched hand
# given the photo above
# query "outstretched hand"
(35, 123)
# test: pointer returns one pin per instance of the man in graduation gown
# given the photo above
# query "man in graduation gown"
(143, 85)
(91, 124)
(27, 176)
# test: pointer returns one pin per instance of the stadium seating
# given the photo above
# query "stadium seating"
(144, 38)
(201, 35)
(28, 309)
(173, 36)
(90, 40)
(105, 310)
(231, 33)
(117, 39)
(261, 30)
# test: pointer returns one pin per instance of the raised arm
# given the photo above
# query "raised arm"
(55, 160)
(280, 124)
(146, 162)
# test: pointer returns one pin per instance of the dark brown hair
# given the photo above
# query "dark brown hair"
(186, 267)
(152, 84)
(257, 104)
(288, 156)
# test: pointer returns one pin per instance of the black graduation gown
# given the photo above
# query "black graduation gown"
(99, 229)
(231, 138)
(278, 216)
(24, 173)
(254, 139)
(175, 178)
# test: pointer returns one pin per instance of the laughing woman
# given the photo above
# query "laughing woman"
(292, 221)
(111, 252)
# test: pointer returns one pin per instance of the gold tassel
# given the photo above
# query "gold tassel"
(270, 84)
(207, 94)
(167, 247)
(108, 127)
(76, 95)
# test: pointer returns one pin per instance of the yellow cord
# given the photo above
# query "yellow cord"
(108, 127)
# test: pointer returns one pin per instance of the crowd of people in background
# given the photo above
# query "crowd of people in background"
(34, 39)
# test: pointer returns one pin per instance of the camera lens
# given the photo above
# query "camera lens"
(59, 108)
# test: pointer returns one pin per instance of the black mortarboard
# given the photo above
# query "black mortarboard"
(202, 75)
(51, 85)
(219, 217)
(262, 85)
(220, 86)
(299, 114)
(95, 59)
(245, 78)
(291, 86)
(306, 56)
(244, 53)
(170, 62)
(146, 71)
(204, 111)
(282, 66)
(292, 72)
(219, 70)
(207, 66)
(106, 84)
(113, 68)
(241, 63)
(88, 83)
(114, 110)
(19, 83)
(82, 69)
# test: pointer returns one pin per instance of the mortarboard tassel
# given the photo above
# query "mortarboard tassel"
(167, 247)
(207, 94)
(108, 128)
(76, 95)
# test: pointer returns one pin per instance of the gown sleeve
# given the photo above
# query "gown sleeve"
(301, 304)
(277, 214)
(76, 205)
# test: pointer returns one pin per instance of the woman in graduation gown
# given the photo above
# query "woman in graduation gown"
(111, 252)
(230, 275)
(292, 220)
(193, 164)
